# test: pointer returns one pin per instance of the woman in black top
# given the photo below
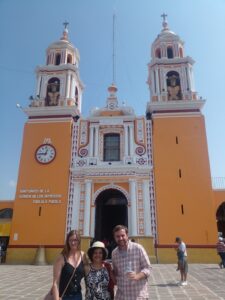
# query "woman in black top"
(70, 263)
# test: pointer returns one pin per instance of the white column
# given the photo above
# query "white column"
(189, 79)
(38, 85)
(76, 206)
(96, 141)
(147, 211)
(133, 196)
(157, 81)
(72, 91)
(131, 126)
(192, 80)
(91, 141)
(87, 208)
(92, 221)
(67, 85)
(126, 139)
(129, 220)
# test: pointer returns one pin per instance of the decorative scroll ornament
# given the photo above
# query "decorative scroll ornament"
(140, 150)
(83, 152)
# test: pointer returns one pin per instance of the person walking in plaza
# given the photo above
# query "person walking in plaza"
(69, 269)
(99, 276)
(131, 267)
(182, 261)
(220, 247)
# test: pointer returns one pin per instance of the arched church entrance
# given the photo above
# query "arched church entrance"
(220, 217)
(111, 210)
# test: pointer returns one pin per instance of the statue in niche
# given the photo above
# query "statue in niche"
(53, 94)
(173, 87)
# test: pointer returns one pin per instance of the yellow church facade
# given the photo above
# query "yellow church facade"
(150, 173)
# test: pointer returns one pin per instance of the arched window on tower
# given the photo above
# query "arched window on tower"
(158, 53)
(181, 52)
(76, 96)
(69, 59)
(52, 93)
(169, 52)
(111, 147)
(173, 86)
(57, 59)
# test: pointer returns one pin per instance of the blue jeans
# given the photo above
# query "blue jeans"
(78, 296)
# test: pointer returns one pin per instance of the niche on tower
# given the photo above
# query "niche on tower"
(52, 94)
(173, 86)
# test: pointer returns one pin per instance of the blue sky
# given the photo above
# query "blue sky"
(27, 27)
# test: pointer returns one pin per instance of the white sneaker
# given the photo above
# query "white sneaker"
(184, 283)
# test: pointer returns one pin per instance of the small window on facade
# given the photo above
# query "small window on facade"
(57, 59)
(69, 59)
(111, 147)
(76, 96)
(158, 53)
(169, 52)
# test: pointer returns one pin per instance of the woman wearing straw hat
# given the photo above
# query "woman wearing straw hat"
(99, 276)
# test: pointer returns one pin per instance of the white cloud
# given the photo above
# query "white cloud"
(12, 183)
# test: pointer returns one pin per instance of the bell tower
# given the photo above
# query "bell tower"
(43, 186)
(181, 168)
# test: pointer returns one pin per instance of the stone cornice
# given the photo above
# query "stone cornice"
(51, 111)
(171, 61)
(180, 105)
(111, 171)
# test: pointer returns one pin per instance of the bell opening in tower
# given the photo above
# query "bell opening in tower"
(111, 210)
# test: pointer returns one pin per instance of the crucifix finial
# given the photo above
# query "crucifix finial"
(65, 31)
(164, 17)
(165, 24)
(65, 24)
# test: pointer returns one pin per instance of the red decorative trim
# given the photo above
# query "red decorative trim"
(35, 246)
(187, 245)
(175, 111)
(50, 116)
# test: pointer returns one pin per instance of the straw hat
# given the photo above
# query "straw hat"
(96, 245)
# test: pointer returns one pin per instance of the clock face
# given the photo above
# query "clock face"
(45, 154)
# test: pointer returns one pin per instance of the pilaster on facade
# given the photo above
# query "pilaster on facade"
(87, 207)
(151, 192)
(96, 141)
(133, 209)
(91, 142)
(147, 209)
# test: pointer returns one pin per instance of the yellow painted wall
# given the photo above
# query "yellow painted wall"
(6, 204)
(219, 198)
(50, 179)
(197, 225)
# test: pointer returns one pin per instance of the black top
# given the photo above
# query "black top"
(66, 273)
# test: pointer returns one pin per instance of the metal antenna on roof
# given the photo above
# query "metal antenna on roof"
(114, 55)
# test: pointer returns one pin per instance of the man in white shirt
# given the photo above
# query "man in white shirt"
(182, 260)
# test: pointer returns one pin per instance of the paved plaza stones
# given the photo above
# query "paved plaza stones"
(205, 281)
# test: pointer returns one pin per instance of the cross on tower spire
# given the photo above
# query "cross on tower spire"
(65, 24)
(65, 31)
(165, 24)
